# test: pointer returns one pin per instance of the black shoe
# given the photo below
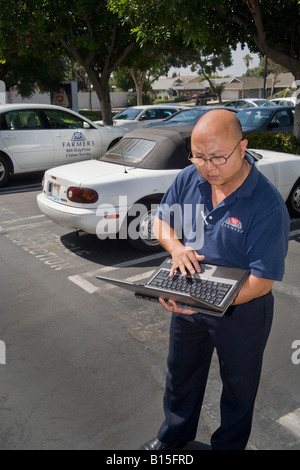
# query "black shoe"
(155, 444)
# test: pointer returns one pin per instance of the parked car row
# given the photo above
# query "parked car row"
(122, 168)
(100, 196)
(137, 116)
(38, 137)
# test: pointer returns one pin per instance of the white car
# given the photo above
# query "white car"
(244, 103)
(122, 190)
(290, 101)
(139, 116)
(38, 137)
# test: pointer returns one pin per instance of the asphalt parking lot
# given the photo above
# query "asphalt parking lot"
(82, 364)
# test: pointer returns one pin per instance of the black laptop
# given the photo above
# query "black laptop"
(212, 291)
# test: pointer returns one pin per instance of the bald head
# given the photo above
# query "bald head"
(218, 122)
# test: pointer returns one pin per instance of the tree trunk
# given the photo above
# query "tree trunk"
(297, 109)
(101, 87)
(139, 80)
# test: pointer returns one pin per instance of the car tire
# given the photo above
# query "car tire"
(4, 170)
(140, 235)
(293, 202)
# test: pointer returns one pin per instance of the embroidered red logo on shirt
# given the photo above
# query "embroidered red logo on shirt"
(234, 221)
(234, 224)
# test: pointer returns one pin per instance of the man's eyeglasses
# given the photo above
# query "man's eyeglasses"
(217, 161)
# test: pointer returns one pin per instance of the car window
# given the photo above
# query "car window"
(152, 114)
(60, 119)
(247, 104)
(262, 102)
(166, 113)
(21, 120)
(253, 118)
(128, 113)
(232, 103)
(283, 118)
(129, 151)
(187, 115)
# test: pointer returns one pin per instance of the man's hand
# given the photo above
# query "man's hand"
(171, 306)
(186, 260)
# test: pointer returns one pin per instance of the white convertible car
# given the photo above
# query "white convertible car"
(38, 137)
(120, 191)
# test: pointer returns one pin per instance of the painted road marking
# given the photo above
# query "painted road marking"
(291, 421)
(294, 233)
(13, 221)
(287, 289)
(92, 289)
(81, 279)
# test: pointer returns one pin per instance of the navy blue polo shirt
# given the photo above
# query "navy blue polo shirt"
(249, 229)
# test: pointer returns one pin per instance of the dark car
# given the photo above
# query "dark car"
(188, 116)
(264, 119)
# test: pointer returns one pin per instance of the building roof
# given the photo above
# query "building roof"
(193, 83)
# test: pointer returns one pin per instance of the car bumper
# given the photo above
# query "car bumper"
(94, 221)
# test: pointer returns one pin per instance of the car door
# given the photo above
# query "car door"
(153, 115)
(74, 139)
(282, 121)
(26, 139)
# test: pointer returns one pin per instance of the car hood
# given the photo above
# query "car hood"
(124, 122)
(271, 156)
(253, 129)
(81, 173)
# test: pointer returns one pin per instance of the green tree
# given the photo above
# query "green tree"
(30, 72)
(208, 64)
(222, 23)
(25, 62)
(87, 31)
(247, 59)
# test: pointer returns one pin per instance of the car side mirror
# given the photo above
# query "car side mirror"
(144, 117)
(86, 125)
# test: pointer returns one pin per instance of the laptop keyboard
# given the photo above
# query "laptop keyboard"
(202, 289)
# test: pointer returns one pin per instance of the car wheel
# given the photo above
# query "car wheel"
(4, 171)
(293, 202)
(140, 235)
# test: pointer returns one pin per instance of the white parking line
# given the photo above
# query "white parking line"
(291, 421)
(294, 233)
(91, 288)
(13, 221)
(125, 264)
(292, 291)
(21, 189)
(81, 279)
(84, 284)
(26, 226)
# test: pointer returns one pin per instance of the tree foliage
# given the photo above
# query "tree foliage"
(25, 59)
(270, 27)
(87, 31)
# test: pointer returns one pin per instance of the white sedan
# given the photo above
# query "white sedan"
(118, 194)
(139, 116)
(38, 137)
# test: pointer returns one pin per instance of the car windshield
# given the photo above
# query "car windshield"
(264, 103)
(128, 114)
(129, 151)
(186, 116)
(253, 117)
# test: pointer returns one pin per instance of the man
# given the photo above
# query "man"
(246, 226)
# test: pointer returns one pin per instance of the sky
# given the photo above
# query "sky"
(239, 68)
(236, 70)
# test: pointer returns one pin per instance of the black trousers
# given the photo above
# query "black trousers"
(239, 338)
